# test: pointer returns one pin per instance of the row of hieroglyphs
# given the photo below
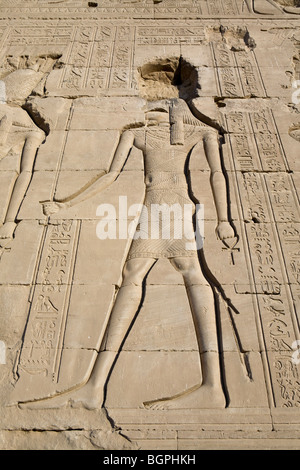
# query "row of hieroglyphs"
(147, 7)
(101, 57)
(144, 7)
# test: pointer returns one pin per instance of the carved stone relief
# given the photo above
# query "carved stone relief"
(169, 328)
(159, 8)
(20, 136)
(274, 7)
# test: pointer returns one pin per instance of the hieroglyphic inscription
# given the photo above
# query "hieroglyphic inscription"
(245, 154)
(134, 8)
(4, 35)
(286, 214)
(77, 62)
(227, 71)
(43, 339)
(249, 73)
(238, 72)
(49, 35)
(276, 312)
(268, 277)
(175, 7)
(100, 58)
(169, 35)
(226, 7)
(255, 141)
(122, 58)
(289, 234)
(270, 207)
(284, 372)
(255, 209)
(271, 154)
(283, 198)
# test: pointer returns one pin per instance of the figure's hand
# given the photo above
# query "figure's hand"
(7, 231)
(51, 207)
(225, 231)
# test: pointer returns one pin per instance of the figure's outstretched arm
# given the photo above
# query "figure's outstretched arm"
(218, 184)
(100, 183)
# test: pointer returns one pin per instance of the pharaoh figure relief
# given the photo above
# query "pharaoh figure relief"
(19, 135)
(170, 132)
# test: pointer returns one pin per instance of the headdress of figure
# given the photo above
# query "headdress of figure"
(168, 85)
(180, 114)
(21, 75)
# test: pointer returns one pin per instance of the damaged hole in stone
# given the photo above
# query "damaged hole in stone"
(168, 78)
(93, 4)
(220, 103)
(235, 38)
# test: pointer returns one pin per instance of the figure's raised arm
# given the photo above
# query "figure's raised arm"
(218, 184)
(97, 185)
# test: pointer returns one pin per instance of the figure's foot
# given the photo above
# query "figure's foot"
(7, 231)
(85, 397)
(201, 396)
(292, 10)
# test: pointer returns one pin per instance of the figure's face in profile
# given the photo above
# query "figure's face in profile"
(156, 117)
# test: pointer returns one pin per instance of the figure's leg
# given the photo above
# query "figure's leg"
(210, 393)
(21, 185)
(122, 315)
(91, 395)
